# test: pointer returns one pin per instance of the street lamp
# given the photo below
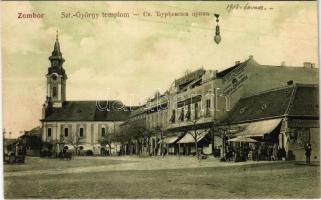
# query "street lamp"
(217, 37)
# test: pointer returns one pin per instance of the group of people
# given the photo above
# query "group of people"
(256, 152)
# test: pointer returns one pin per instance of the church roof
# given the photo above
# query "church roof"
(89, 111)
(295, 100)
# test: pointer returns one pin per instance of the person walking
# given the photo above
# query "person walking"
(308, 150)
(275, 152)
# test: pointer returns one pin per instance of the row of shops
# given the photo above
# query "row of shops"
(272, 125)
(247, 111)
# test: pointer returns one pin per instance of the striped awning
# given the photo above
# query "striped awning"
(190, 136)
(259, 128)
(170, 139)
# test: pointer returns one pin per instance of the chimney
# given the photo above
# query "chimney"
(308, 65)
(251, 57)
(237, 62)
(283, 63)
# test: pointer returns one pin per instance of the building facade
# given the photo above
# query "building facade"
(200, 100)
(287, 117)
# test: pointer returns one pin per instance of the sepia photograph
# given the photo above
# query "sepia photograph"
(160, 100)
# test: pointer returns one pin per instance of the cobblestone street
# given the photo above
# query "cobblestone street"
(168, 177)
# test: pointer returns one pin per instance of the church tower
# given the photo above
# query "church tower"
(56, 78)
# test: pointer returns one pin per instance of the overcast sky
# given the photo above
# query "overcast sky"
(139, 55)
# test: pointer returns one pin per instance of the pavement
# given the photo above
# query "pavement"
(136, 164)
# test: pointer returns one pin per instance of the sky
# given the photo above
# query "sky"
(130, 58)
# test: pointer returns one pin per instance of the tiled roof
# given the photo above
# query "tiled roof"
(305, 102)
(295, 100)
(228, 70)
(89, 111)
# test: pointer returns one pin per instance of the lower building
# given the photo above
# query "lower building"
(31, 140)
(284, 118)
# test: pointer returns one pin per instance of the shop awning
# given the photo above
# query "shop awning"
(242, 139)
(260, 128)
(189, 137)
(170, 139)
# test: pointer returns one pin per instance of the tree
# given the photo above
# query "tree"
(196, 135)
(74, 140)
(107, 139)
(122, 138)
(159, 129)
(138, 132)
(141, 134)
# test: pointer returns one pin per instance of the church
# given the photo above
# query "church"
(76, 123)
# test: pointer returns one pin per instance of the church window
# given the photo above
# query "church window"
(66, 132)
(103, 132)
(49, 132)
(54, 91)
(81, 132)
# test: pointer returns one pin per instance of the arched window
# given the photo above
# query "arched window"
(54, 92)
(81, 132)
(49, 132)
(66, 132)
(103, 132)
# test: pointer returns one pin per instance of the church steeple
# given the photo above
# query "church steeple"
(56, 59)
(56, 77)
(56, 52)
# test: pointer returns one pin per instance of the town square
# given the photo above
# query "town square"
(161, 177)
(160, 100)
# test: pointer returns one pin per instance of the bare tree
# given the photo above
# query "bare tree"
(107, 139)
(75, 141)
(122, 138)
(160, 131)
(194, 121)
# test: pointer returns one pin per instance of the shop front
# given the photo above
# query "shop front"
(187, 144)
(300, 133)
(257, 140)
